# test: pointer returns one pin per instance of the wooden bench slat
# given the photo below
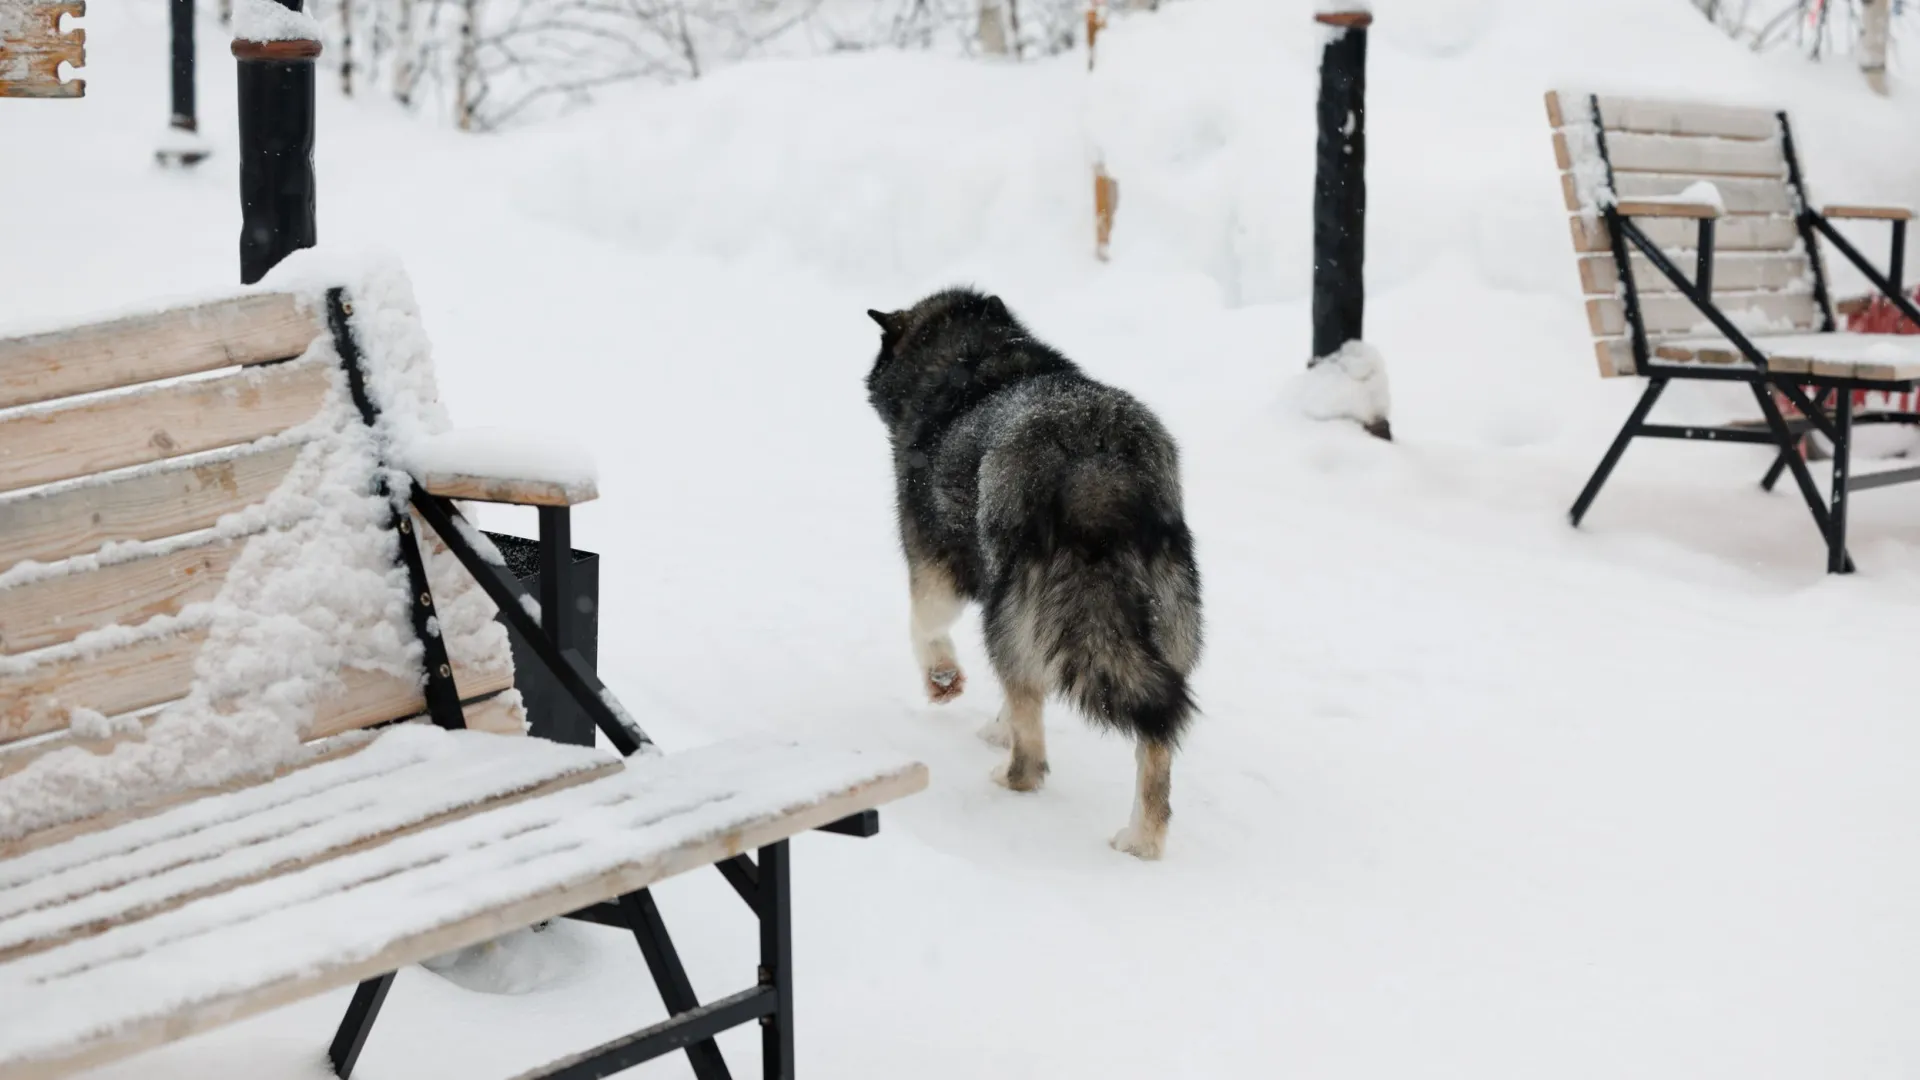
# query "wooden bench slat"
(1732, 272)
(1742, 195)
(179, 498)
(1887, 357)
(94, 435)
(58, 609)
(368, 698)
(113, 682)
(317, 813)
(1616, 353)
(1868, 213)
(247, 329)
(1665, 117)
(1700, 157)
(497, 715)
(1747, 232)
(1673, 313)
(254, 948)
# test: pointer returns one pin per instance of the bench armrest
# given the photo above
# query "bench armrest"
(1868, 213)
(1659, 208)
(503, 466)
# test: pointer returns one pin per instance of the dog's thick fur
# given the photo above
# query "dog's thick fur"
(1054, 501)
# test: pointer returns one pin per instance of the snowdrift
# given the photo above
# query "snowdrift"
(910, 169)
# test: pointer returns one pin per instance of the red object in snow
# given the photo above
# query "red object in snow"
(1872, 315)
(1879, 316)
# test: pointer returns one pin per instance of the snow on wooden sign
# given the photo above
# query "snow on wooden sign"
(32, 48)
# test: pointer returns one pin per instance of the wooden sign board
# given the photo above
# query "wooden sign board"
(32, 48)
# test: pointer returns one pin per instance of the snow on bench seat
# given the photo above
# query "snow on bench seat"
(144, 933)
(1886, 357)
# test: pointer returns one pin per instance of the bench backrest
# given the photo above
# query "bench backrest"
(1763, 279)
(130, 453)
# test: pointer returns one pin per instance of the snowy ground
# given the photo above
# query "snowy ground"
(1475, 794)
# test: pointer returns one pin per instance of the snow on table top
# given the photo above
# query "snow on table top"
(1893, 349)
(491, 453)
(652, 819)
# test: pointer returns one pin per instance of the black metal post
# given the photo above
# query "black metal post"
(556, 559)
(551, 711)
(1802, 476)
(776, 961)
(1837, 562)
(183, 145)
(1617, 240)
(1804, 220)
(1340, 185)
(184, 116)
(1703, 265)
(670, 978)
(1897, 262)
(1655, 386)
(276, 150)
(351, 1037)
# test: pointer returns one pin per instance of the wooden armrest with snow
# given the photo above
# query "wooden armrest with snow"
(1867, 213)
(1650, 208)
(510, 490)
(491, 465)
(198, 587)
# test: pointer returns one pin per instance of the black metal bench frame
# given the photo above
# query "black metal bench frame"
(1825, 403)
(763, 884)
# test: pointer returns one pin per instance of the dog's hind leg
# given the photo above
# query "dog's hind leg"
(1026, 766)
(1146, 834)
(936, 606)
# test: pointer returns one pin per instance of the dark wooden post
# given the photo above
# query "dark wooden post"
(184, 116)
(276, 150)
(183, 145)
(1340, 185)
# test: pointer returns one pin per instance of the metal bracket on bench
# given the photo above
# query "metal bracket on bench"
(512, 598)
(443, 698)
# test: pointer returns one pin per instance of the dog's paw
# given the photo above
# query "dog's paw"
(944, 684)
(997, 733)
(1026, 778)
(1139, 843)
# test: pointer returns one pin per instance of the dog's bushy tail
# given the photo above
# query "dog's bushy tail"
(1112, 598)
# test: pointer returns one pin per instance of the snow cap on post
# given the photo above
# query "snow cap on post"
(265, 22)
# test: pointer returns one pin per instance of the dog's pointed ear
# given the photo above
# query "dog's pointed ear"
(889, 320)
(997, 308)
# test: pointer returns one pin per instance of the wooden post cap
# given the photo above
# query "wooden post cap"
(296, 49)
(1359, 20)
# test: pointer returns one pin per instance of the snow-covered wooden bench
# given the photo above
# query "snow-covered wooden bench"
(223, 581)
(1698, 248)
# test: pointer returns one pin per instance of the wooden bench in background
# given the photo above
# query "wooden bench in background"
(1726, 285)
(385, 843)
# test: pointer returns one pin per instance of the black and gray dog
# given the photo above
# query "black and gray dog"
(1054, 501)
